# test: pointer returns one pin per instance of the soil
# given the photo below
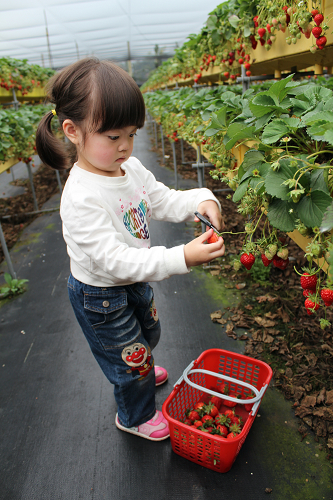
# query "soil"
(15, 211)
(271, 318)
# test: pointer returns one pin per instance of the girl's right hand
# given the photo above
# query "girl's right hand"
(199, 252)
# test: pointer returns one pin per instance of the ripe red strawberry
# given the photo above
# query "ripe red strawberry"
(308, 282)
(235, 420)
(226, 74)
(197, 423)
(280, 263)
(248, 73)
(327, 296)
(199, 405)
(318, 19)
(314, 12)
(216, 401)
(230, 404)
(213, 239)
(211, 410)
(311, 306)
(265, 261)
(261, 32)
(306, 293)
(316, 31)
(235, 428)
(247, 66)
(321, 42)
(207, 419)
(193, 415)
(247, 259)
(248, 406)
(229, 413)
(223, 430)
(222, 419)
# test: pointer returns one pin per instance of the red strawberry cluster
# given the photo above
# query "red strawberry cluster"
(309, 283)
(317, 31)
(218, 416)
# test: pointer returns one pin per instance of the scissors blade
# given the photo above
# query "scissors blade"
(206, 221)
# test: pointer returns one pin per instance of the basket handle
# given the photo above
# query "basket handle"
(255, 401)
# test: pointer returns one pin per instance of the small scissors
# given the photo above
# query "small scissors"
(206, 221)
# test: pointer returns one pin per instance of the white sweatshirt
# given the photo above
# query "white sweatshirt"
(106, 225)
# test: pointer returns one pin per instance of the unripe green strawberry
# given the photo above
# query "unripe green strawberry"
(272, 249)
(236, 265)
(283, 253)
(248, 227)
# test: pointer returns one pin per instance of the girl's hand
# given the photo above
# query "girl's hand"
(199, 252)
(210, 210)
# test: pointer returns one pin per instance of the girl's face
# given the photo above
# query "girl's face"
(104, 153)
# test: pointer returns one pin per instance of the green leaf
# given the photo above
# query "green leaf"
(274, 181)
(327, 222)
(240, 191)
(312, 207)
(212, 22)
(211, 131)
(317, 181)
(251, 158)
(236, 133)
(280, 89)
(274, 131)
(328, 136)
(234, 20)
(282, 215)
(8, 278)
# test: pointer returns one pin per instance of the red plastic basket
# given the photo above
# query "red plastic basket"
(244, 375)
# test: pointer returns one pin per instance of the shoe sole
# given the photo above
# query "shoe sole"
(137, 433)
(163, 381)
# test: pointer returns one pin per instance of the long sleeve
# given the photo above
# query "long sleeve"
(106, 225)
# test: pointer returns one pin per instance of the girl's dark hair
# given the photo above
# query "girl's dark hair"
(97, 96)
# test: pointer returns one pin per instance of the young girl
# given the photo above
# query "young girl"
(106, 206)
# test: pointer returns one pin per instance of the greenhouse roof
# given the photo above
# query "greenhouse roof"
(55, 33)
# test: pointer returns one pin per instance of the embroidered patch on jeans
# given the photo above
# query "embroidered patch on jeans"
(137, 357)
(153, 310)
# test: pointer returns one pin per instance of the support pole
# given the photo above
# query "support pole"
(182, 150)
(59, 181)
(6, 253)
(173, 144)
(162, 139)
(32, 186)
(155, 128)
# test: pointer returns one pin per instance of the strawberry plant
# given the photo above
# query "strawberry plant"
(17, 131)
(19, 75)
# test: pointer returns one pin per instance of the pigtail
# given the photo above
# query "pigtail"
(51, 150)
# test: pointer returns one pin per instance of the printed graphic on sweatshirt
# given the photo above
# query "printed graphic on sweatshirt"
(137, 357)
(135, 214)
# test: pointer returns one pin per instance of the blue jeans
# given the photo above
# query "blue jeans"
(122, 327)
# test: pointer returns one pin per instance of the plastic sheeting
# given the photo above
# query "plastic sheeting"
(55, 33)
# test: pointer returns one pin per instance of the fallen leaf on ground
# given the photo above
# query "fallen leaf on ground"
(264, 322)
(266, 298)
